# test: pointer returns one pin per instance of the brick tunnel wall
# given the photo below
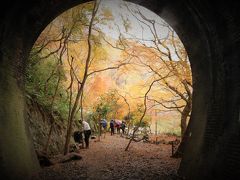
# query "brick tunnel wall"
(216, 122)
(229, 139)
(221, 142)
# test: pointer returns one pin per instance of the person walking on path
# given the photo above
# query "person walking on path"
(87, 132)
(112, 124)
(104, 126)
(123, 126)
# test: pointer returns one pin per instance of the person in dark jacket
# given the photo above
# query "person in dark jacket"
(123, 126)
(112, 124)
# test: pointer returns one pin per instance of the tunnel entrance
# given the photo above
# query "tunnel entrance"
(212, 150)
(94, 63)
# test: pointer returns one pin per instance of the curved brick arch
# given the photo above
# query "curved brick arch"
(210, 33)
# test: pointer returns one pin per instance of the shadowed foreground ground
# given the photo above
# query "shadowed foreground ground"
(107, 160)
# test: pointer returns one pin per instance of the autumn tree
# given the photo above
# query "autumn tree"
(106, 107)
(129, 116)
(72, 43)
(161, 55)
(143, 111)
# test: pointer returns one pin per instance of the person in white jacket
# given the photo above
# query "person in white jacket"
(87, 132)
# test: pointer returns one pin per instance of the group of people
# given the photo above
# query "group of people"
(86, 129)
(117, 125)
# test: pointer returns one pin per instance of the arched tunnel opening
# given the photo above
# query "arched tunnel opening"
(209, 32)
(141, 79)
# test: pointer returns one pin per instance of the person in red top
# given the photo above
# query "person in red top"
(118, 128)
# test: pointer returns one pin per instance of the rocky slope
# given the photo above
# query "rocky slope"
(39, 121)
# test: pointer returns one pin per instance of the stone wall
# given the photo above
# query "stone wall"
(39, 122)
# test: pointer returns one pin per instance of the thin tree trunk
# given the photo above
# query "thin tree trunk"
(144, 112)
(73, 111)
(53, 120)
(183, 123)
(184, 115)
(181, 147)
(129, 111)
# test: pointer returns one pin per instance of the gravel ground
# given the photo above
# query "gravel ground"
(107, 160)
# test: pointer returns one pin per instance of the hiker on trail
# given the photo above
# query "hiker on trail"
(118, 126)
(87, 133)
(112, 124)
(104, 123)
(103, 126)
(123, 126)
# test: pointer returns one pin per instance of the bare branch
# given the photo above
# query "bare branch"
(144, 112)
(108, 68)
(166, 106)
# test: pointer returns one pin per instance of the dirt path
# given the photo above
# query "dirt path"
(107, 160)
